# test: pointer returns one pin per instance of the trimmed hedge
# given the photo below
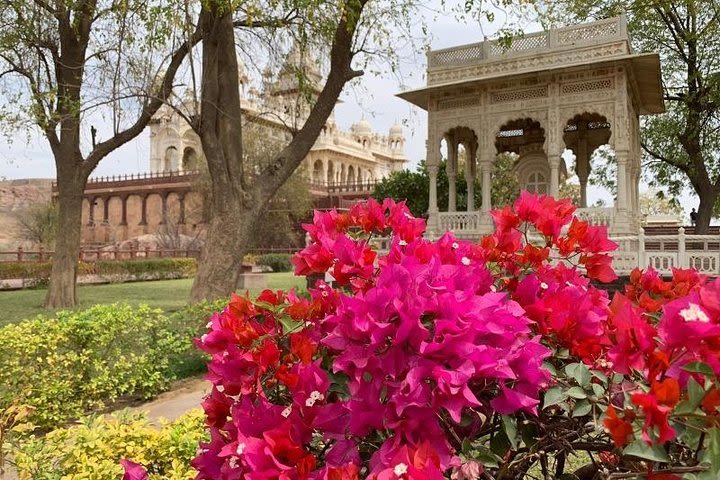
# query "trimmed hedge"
(279, 262)
(81, 361)
(93, 449)
(161, 267)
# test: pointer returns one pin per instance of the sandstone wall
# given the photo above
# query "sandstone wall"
(17, 196)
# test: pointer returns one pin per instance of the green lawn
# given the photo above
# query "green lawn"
(169, 295)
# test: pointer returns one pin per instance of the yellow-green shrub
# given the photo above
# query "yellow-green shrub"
(155, 267)
(93, 449)
(79, 361)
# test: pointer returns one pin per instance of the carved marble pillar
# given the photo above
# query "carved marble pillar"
(452, 148)
(621, 157)
(485, 172)
(582, 161)
(470, 176)
(622, 223)
(433, 201)
(433, 162)
(554, 161)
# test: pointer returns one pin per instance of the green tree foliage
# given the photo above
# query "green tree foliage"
(682, 146)
(414, 187)
(89, 75)
(39, 224)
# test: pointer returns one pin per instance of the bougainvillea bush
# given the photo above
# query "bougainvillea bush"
(452, 359)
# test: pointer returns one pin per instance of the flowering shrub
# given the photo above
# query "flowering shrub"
(97, 448)
(496, 359)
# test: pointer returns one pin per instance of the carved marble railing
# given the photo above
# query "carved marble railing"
(661, 252)
(590, 33)
(596, 216)
(460, 222)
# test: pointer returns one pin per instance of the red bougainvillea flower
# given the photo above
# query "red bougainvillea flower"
(656, 406)
(711, 402)
(620, 430)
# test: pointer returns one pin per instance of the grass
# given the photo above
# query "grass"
(169, 295)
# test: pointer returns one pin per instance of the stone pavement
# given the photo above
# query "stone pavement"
(184, 396)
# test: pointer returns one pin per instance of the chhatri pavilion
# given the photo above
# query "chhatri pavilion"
(576, 88)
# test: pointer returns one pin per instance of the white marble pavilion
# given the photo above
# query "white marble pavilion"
(577, 88)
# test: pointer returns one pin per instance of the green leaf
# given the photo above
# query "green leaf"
(713, 450)
(579, 372)
(598, 390)
(600, 376)
(582, 408)
(487, 457)
(466, 446)
(500, 444)
(640, 449)
(550, 368)
(577, 393)
(289, 325)
(553, 396)
(699, 367)
(695, 395)
(510, 426)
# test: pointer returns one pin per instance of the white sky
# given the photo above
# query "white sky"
(28, 155)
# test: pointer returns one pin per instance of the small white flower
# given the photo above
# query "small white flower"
(240, 448)
(220, 388)
(493, 288)
(465, 260)
(315, 395)
(455, 246)
(324, 293)
(204, 337)
(232, 463)
(544, 286)
(310, 402)
(400, 469)
(694, 313)
(286, 413)
(402, 243)
(209, 325)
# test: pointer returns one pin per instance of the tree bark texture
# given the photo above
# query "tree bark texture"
(62, 290)
(220, 131)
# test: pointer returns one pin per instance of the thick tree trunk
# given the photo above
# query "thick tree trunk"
(221, 261)
(220, 129)
(705, 211)
(236, 207)
(61, 289)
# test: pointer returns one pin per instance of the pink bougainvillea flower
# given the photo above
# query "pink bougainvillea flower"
(133, 471)
(633, 337)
